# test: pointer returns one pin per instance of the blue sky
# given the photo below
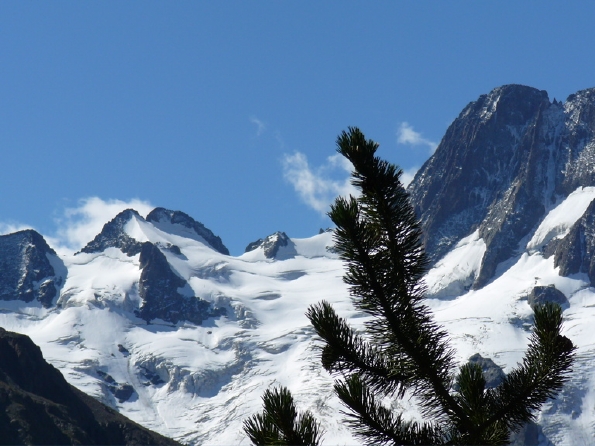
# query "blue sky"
(229, 110)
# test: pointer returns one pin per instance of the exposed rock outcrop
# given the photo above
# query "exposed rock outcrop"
(575, 253)
(541, 294)
(275, 246)
(501, 164)
(492, 372)
(161, 291)
(28, 268)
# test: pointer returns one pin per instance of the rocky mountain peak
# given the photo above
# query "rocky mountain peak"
(113, 235)
(501, 164)
(274, 246)
(31, 270)
(164, 219)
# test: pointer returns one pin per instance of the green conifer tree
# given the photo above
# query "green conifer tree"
(402, 349)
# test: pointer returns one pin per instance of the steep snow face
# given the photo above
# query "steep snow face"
(179, 223)
(559, 220)
(455, 273)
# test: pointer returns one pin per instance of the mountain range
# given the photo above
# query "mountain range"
(155, 319)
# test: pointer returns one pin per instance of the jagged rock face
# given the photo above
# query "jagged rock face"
(113, 235)
(501, 164)
(27, 272)
(160, 216)
(159, 288)
(38, 406)
(577, 143)
(272, 244)
(575, 253)
(542, 294)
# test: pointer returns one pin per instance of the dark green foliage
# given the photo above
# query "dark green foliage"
(280, 423)
(378, 237)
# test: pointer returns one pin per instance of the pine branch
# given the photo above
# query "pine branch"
(542, 374)
(346, 352)
(375, 424)
(476, 404)
(261, 430)
(378, 236)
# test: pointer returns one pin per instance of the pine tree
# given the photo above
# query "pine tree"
(402, 349)
(280, 423)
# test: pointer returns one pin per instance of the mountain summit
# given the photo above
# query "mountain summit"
(506, 160)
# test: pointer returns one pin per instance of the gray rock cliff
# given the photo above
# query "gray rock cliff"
(160, 289)
(575, 253)
(31, 270)
(501, 165)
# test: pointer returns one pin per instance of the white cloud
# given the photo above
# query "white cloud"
(9, 228)
(406, 135)
(408, 174)
(81, 224)
(315, 187)
(260, 125)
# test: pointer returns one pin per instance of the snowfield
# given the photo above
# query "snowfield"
(198, 383)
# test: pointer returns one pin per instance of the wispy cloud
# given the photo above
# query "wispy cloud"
(260, 125)
(408, 174)
(315, 186)
(79, 225)
(76, 226)
(10, 227)
(406, 135)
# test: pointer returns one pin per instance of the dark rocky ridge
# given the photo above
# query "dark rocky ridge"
(113, 236)
(38, 406)
(159, 216)
(27, 273)
(501, 164)
(159, 289)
